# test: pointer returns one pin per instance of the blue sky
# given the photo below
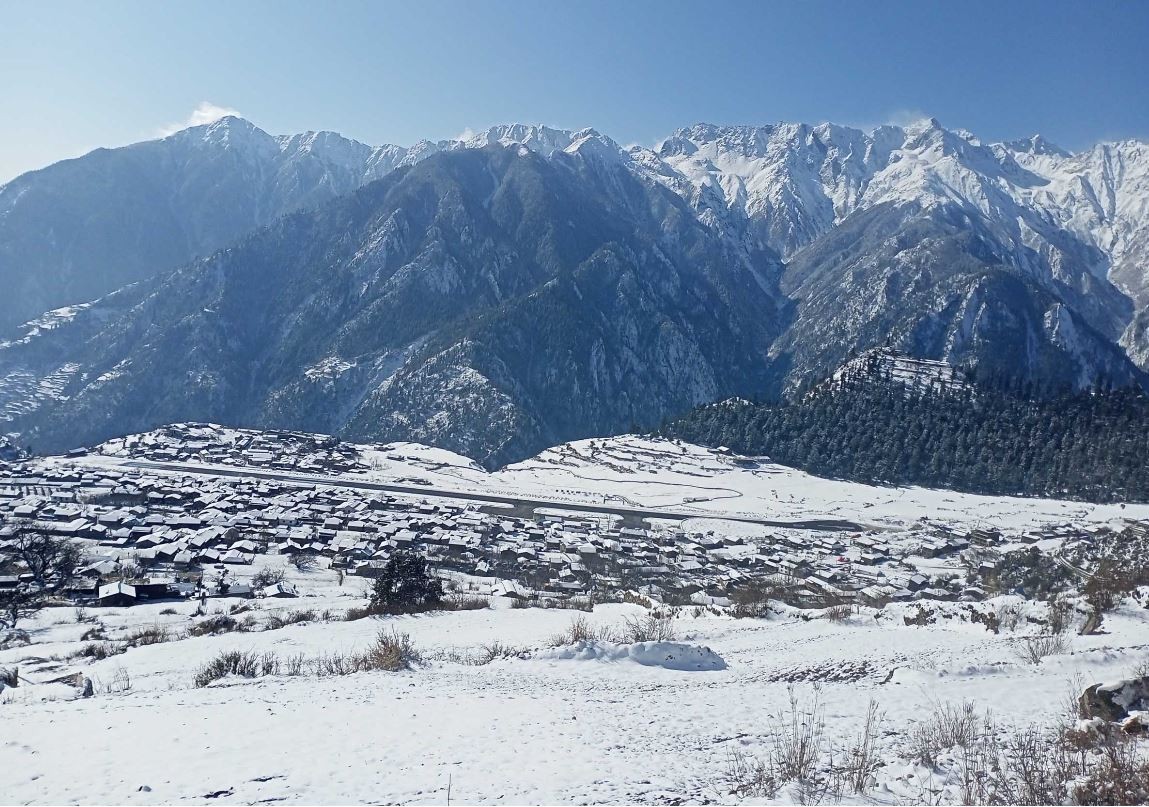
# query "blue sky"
(74, 75)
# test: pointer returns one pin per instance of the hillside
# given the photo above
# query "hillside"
(885, 418)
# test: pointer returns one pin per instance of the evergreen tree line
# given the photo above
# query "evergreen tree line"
(982, 438)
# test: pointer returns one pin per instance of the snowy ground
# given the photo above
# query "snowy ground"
(653, 473)
(554, 727)
(595, 724)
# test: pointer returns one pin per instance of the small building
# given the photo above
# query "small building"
(116, 594)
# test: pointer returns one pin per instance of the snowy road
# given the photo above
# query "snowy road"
(825, 524)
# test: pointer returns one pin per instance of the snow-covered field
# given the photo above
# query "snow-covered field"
(586, 723)
(570, 725)
(633, 471)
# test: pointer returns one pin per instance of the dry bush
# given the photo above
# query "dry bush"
(652, 627)
(753, 601)
(838, 613)
(282, 618)
(215, 625)
(231, 662)
(95, 634)
(796, 753)
(295, 665)
(1047, 767)
(353, 614)
(568, 603)
(268, 576)
(862, 760)
(81, 615)
(169, 612)
(946, 727)
(1059, 615)
(391, 652)
(121, 682)
(1032, 649)
(156, 634)
(9, 677)
(98, 651)
(1009, 616)
(496, 650)
(580, 630)
(458, 601)
(303, 562)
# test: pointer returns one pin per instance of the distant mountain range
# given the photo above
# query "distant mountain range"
(529, 286)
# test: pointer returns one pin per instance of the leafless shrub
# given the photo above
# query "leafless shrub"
(753, 601)
(1009, 616)
(9, 677)
(93, 634)
(948, 726)
(269, 576)
(121, 682)
(838, 613)
(81, 614)
(155, 634)
(269, 664)
(796, 752)
(353, 614)
(651, 627)
(1032, 649)
(861, 758)
(303, 562)
(391, 652)
(231, 662)
(495, 651)
(569, 603)
(579, 630)
(295, 665)
(1059, 615)
(1066, 765)
(169, 612)
(749, 776)
(458, 601)
(98, 651)
(215, 625)
(279, 619)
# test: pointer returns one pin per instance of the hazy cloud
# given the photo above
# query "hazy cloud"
(904, 117)
(205, 112)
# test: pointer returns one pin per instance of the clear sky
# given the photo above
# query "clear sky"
(76, 75)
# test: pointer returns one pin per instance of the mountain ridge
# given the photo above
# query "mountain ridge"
(724, 261)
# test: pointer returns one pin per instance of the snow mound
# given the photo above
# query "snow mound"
(668, 655)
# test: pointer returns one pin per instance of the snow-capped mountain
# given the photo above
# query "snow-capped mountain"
(529, 285)
(84, 227)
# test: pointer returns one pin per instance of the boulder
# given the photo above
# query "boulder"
(1114, 702)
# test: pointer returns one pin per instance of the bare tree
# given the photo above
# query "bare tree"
(303, 562)
(49, 562)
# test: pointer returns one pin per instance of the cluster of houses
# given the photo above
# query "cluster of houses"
(273, 450)
(150, 534)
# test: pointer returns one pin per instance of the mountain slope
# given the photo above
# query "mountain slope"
(81, 228)
(559, 285)
(489, 300)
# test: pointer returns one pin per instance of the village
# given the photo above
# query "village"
(150, 534)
